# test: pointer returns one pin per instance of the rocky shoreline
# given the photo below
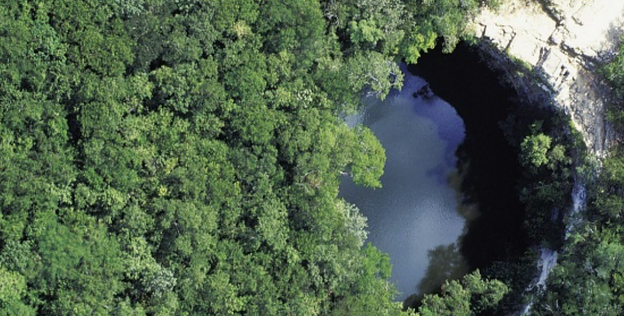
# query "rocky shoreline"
(561, 42)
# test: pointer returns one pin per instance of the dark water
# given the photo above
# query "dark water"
(491, 164)
(419, 216)
(414, 216)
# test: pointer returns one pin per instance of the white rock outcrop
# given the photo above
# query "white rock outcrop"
(564, 41)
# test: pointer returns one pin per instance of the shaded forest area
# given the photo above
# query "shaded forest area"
(182, 157)
(516, 164)
(590, 276)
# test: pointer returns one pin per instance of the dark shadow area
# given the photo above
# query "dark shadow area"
(491, 165)
(497, 239)
(445, 263)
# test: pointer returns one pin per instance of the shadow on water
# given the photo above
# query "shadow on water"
(488, 165)
(445, 263)
(419, 213)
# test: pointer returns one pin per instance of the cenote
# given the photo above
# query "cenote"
(449, 201)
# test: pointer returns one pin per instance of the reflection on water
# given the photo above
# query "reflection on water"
(414, 217)
(445, 263)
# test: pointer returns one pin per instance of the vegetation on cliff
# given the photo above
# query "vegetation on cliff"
(589, 278)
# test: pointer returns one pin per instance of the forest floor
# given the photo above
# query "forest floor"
(563, 41)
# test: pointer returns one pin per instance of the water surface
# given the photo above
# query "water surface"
(414, 217)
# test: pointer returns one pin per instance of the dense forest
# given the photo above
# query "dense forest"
(182, 157)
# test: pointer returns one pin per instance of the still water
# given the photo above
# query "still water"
(414, 217)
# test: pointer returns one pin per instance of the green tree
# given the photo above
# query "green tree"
(375, 73)
(470, 296)
(12, 289)
(534, 150)
(368, 160)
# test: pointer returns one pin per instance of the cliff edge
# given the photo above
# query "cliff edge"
(563, 41)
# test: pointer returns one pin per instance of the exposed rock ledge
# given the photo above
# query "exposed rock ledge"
(564, 45)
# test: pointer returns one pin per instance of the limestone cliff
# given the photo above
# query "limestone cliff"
(563, 41)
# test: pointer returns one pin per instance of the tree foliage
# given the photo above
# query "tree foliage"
(470, 296)
(613, 72)
(534, 150)
(588, 278)
(183, 157)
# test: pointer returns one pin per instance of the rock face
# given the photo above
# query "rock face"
(563, 41)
